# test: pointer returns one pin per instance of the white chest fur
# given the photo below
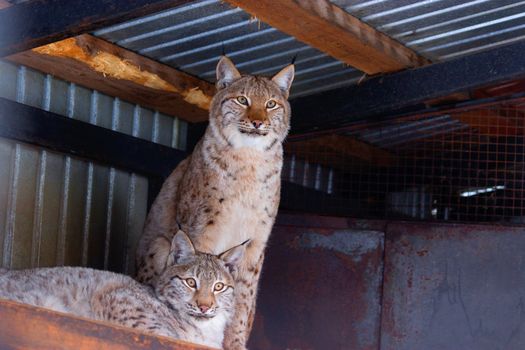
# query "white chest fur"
(249, 200)
(213, 329)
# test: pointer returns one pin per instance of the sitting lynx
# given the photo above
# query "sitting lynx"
(192, 299)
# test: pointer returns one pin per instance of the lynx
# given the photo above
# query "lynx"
(228, 189)
(192, 300)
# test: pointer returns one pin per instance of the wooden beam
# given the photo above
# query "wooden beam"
(332, 30)
(383, 97)
(505, 89)
(35, 23)
(490, 123)
(449, 99)
(28, 327)
(338, 147)
(35, 126)
(99, 65)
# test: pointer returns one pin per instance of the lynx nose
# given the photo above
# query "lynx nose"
(204, 308)
(257, 124)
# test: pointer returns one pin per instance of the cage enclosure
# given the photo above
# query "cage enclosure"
(401, 222)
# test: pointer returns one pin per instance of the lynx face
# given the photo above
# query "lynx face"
(198, 284)
(251, 111)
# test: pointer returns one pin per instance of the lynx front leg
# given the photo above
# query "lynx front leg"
(238, 331)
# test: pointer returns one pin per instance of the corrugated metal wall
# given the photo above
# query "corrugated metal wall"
(60, 210)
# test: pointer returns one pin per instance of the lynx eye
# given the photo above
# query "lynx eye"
(242, 100)
(271, 104)
(190, 282)
(219, 286)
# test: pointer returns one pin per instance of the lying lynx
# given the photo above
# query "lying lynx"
(192, 299)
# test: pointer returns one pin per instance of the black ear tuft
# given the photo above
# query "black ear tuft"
(233, 256)
(294, 58)
(284, 79)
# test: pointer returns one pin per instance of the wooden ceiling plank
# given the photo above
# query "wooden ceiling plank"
(332, 30)
(96, 64)
(490, 123)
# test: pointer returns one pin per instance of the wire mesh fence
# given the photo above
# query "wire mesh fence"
(457, 165)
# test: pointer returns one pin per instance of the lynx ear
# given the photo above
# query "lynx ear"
(181, 249)
(233, 256)
(284, 78)
(226, 73)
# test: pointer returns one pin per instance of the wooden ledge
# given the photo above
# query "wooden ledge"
(28, 327)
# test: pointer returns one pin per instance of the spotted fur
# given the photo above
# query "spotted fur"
(173, 308)
(228, 190)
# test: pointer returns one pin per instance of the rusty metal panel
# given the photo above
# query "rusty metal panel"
(454, 287)
(56, 209)
(320, 286)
